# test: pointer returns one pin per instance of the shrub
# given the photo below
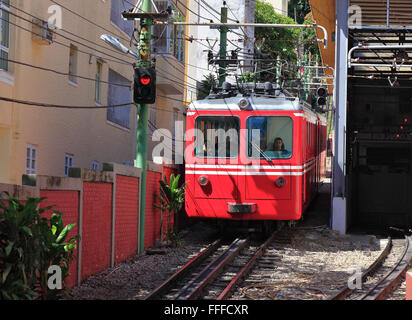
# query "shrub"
(29, 244)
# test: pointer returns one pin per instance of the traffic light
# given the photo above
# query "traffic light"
(321, 93)
(144, 85)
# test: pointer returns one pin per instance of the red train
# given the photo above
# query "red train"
(257, 156)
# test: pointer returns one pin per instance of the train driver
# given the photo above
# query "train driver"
(278, 149)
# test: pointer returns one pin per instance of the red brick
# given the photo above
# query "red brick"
(66, 202)
(127, 215)
(97, 203)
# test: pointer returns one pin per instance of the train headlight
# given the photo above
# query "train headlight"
(203, 181)
(280, 182)
(243, 103)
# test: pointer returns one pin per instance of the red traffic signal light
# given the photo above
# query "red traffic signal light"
(145, 79)
(144, 85)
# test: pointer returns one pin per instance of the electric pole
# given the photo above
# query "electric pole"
(145, 92)
(223, 46)
(143, 115)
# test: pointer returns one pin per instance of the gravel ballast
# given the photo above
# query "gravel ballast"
(313, 266)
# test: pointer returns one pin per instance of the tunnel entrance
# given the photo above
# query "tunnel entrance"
(379, 154)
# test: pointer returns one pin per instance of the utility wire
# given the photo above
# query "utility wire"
(48, 105)
(63, 73)
(69, 32)
(70, 39)
(89, 21)
(60, 43)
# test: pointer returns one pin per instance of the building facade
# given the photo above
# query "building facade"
(280, 6)
(52, 55)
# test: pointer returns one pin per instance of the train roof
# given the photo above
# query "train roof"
(253, 102)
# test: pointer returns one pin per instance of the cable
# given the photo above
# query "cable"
(182, 72)
(91, 22)
(71, 33)
(48, 105)
(63, 73)
(70, 39)
(60, 43)
(208, 19)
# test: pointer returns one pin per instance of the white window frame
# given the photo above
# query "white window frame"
(31, 159)
(170, 41)
(98, 87)
(95, 165)
(2, 23)
(73, 64)
(68, 163)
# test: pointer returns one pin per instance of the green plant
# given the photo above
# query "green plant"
(29, 244)
(206, 86)
(171, 197)
(175, 238)
(278, 40)
(247, 77)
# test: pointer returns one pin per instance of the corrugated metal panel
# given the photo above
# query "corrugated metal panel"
(385, 12)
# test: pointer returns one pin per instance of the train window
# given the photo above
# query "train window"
(217, 137)
(270, 136)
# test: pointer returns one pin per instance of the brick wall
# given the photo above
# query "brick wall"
(66, 202)
(152, 216)
(127, 218)
(96, 233)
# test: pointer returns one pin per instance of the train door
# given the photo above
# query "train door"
(269, 146)
(305, 145)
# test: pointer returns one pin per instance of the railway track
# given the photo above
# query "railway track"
(384, 275)
(214, 273)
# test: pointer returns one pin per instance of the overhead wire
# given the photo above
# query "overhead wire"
(88, 20)
(71, 33)
(60, 43)
(72, 40)
(66, 74)
(63, 73)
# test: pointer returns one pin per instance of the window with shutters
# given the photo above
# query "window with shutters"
(73, 64)
(119, 92)
(31, 159)
(98, 83)
(68, 163)
(169, 38)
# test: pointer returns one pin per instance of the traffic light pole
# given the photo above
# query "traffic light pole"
(223, 46)
(143, 115)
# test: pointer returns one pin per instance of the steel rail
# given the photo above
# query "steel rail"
(346, 291)
(194, 288)
(393, 277)
(164, 287)
(246, 268)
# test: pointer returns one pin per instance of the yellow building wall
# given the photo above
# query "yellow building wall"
(85, 133)
(324, 15)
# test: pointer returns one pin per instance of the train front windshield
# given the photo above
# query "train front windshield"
(217, 137)
(269, 137)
